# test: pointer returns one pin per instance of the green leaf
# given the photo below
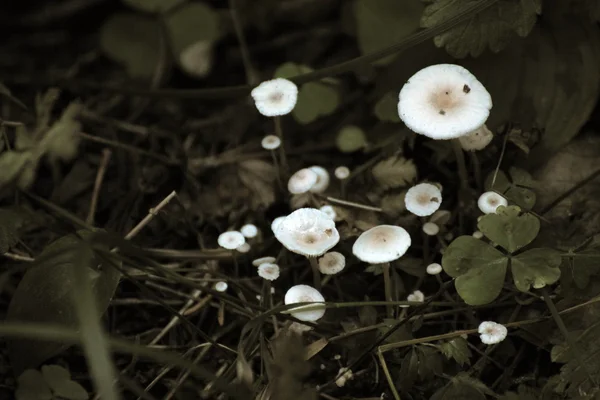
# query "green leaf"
(134, 41)
(350, 139)
(493, 28)
(153, 6)
(394, 172)
(524, 393)
(583, 261)
(44, 296)
(509, 228)
(409, 369)
(479, 269)
(382, 23)
(59, 380)
(315, 100)
(11, 222)
(190, 24)
(386, 109)
(457, 349)
(289, 70)
(17, 166)
(462, 388)
(62, 139)
(537, 267)
(430, 362)
(517, 189)
(31, 386)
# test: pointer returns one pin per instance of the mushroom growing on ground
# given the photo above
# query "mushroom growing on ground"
(249, 231)
(302, 181)
(331, 263)
(275, 97)
(268, 271)
(488, 202)
(476, 140)
(305, 294)
(322, 179)
(382, 244)
(423, 199)
(231, 240)
(492, 332)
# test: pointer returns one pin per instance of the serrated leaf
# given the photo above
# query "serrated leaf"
(59, 380)
(315, 100)
(134, 41)
(394, 172)
(259, 177)
(44, 296)
(430, 362)
(457, 349)
(479, 269)
(153, 6)
(382, 23)
(191, 24)
(393, 204)
(350, 138)
(492, 28)
(509, 228)
(386, 109)
(537, 267)
(31, 386)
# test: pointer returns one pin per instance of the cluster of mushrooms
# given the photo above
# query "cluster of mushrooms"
(442, 102)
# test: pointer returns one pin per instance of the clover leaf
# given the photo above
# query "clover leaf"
(509, 228)
(517, 188)
(479, 269)
(582, 261)
(535, 267)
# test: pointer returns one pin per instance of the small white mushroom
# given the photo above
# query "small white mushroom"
(268, 271)
(275, 97)
(302, 181)
(197, 58)
(329, 211)
(488, 202)
(342, 172)
(249, 231)
(270, 142)
(476, 140)
(331, 263)
(263, 260)
(221, 286)
(381, 244)
(307, 231)
(322, 179)
(477, 234)
(423, 199)
(431, 228)
(305, 294)
(492, 332)
(244, 248)
(434, 269)
(231, 240)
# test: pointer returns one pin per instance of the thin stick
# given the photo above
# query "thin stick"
(387, 374)
(352, 204)
(151, 214)
(18, 257)
(175, 320)
(126, 147)
(106, 154)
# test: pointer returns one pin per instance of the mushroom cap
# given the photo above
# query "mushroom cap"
(331, 263)
(423, 199)
(302, 181)
(275, 97)
(263, 260)
(492, 332)
(268, 271)
(322, 179)
(276, 222)
(488, 202)
(307, 231)
(342, 172)
(197, 58)
(431, 228)
(477, 139)
(231, 240)
(221, 286)
(329, 211)
(249, 230)
(270, 142)
(444, 101)
(244, 248)
(434, 269)
(305, 294)
(381, 244)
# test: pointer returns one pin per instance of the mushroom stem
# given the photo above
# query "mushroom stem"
(278, 169)
(387, 282)
(461, 163)
(282, 155)
(316, 273)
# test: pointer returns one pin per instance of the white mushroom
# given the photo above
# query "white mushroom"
(444, 101)
(492, 332)
(417, 296)
(268, 271)
(302, 181)
(270, 142)
(275, 97)
(423, 199)
(244, 248)
(431, 228)
(342, 172)
(331, 263)
(276, 222)
(231, 240)
(381, 244)
(249, 231)
(305, 294)
(477, 139)
(307, 231)
(488, 202)
(322, 179)
(329, 211)
(221, 286)
(434, 269)
(263, 260)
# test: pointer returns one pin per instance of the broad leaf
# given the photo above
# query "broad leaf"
(479, 269)
(509, 228)
(153, 6)
(134, 41)
(16, 166)
(535, 267)
(31, 386)
(394, 172)
(350, 138)
(315, 99)
(517, 189)
(44, 296)
(289, 70)
(386, 109)
(456, 349)
(62, 139)
(462, 387)
(191, 24)
(493, 28)
(59, 380)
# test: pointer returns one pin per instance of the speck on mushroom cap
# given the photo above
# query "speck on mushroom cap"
(231, 240)
(444, 101)
(307, 231)
(275, 97)
(423, 199)
(305, 294)
(331, 263)
(488, 202)
(381, 244)
(302, 181)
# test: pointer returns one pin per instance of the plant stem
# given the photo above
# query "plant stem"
(284, 163)
(387, 282)
(461, 163)
(316, 273)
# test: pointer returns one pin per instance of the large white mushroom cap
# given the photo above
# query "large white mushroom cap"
(305, 294)
(307, 231)
(302, 181)
(444, 101)
(275, 97)
(423, 199)
(381, 244)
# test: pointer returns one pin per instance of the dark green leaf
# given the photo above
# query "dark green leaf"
(457, 349)
(188, 25)
(289, 70)
(315, 99)
(16, 166)
(11, 221)
(509, 228)
(535, 267)
(409, 369)
(350, 138)
(59, 380)
(386, 109)
(31, 386)
(43, 296)
(62, 139)
(430, 362)
(153, 6)
(493, 28)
